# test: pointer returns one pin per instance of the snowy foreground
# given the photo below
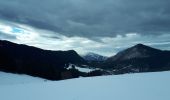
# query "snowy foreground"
(148, 86)
(13, 79)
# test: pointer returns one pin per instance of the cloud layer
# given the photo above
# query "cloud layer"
(90, 18)
(102, 26)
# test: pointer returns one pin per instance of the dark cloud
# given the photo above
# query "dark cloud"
(90, 18)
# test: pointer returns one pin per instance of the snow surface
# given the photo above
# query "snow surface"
(81, 69)
(12, 79)
(148, 86)
(84, 69)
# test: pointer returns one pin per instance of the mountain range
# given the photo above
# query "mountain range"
(53, 65)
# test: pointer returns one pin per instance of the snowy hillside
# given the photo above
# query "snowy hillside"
(94, 57)
(12, 79)
(148, 86)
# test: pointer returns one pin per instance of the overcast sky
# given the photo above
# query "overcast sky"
(100, 26)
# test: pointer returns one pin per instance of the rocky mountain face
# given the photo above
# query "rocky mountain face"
(94, 57)
(33, 61)
(139, 58)
(94, 60)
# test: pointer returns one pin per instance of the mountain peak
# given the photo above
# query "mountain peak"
(142, 48)
(94, 57)
(140, 45)
(137, 51)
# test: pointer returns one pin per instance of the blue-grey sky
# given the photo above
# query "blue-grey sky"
(101, 26)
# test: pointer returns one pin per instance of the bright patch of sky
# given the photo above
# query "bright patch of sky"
(17, 30)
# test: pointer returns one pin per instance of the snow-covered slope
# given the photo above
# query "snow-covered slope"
(148, 86)
(13, 79)
(94, 57)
